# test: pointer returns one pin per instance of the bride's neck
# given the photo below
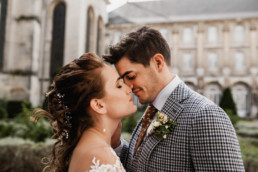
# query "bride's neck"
(104, 135)
(104, 130)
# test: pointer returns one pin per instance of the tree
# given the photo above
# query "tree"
(227, 102)
(228, 105)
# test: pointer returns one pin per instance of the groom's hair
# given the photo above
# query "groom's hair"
(139, 47)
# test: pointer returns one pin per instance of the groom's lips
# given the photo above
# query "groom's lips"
(136, 91)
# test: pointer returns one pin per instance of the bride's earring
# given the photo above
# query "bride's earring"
(104, 130)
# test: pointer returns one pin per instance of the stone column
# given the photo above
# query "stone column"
(44, 50)
(226, 67)
(175, 55)
(199, 53)
(199, 50)
(253, 39)
(254, 68)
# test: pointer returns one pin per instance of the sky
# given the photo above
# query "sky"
(115, 4)
(118, 3)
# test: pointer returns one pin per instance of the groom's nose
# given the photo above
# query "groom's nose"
(129, 84)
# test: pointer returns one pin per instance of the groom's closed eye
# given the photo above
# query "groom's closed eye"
(125, 74)
(130, 77)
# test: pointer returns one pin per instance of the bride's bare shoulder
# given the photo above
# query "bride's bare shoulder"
(82, 159)
(105, 154)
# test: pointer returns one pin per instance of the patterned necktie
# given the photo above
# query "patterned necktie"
(150, 112)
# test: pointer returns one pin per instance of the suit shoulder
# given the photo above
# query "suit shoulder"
(197, 102)
(201, 105)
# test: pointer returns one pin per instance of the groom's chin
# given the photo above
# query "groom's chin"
(143, 101)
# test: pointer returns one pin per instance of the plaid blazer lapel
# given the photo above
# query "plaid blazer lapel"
(172, 106)
(135, 135)
(150, 143)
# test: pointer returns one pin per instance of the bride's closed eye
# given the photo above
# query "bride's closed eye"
(119, 83)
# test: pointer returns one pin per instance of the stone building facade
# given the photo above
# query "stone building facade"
(213, 45)
(37, 37)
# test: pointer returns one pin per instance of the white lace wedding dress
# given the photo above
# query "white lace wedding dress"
(97, 167)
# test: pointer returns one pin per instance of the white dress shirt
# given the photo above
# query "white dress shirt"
(163, 95)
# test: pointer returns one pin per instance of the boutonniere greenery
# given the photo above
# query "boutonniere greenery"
(162, 126)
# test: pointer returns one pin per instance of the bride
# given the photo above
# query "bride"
(85, 106)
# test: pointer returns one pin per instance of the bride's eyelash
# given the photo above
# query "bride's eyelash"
(119, 84)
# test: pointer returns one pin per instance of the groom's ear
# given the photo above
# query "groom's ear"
(159, 62)
(98, 106)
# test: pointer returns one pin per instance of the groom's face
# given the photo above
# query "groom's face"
(143, 80)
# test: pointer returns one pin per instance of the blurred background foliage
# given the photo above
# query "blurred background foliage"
(20, 124)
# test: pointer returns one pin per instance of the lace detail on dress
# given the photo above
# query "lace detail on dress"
(117, 167)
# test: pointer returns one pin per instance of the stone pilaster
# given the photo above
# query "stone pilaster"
(175, 57)
(200, 41)
(253, 39)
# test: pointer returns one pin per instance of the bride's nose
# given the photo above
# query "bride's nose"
(128, 89)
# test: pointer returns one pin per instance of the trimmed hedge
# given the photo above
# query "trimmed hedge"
(25, 157)
(13, 108)
(3, 111)
(249, 150)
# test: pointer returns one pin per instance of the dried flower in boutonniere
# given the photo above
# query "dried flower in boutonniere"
(162, 126)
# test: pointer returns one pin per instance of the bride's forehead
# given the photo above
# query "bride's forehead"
(109, 72)
(110, 69)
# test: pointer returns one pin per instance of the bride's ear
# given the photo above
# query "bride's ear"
(98, 106)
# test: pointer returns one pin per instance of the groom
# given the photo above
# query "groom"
(204, 138)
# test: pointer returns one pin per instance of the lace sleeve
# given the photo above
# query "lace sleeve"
(117, 167)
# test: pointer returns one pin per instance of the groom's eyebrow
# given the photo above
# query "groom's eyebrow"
(126, 73)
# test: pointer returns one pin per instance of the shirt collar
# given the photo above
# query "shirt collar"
(163, 95)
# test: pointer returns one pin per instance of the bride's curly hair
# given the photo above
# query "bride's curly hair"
(68, 104)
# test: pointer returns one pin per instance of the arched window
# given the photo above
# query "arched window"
(242, 98)
(89, 31)
(3, 13)
(58, 39)
(99, 36)
(213, 92)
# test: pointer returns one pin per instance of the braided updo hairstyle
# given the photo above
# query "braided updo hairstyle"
(68, 103)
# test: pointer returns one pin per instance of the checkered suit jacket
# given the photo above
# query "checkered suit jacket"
(204, 139)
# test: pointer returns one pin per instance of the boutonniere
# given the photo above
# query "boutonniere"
(162, 126)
